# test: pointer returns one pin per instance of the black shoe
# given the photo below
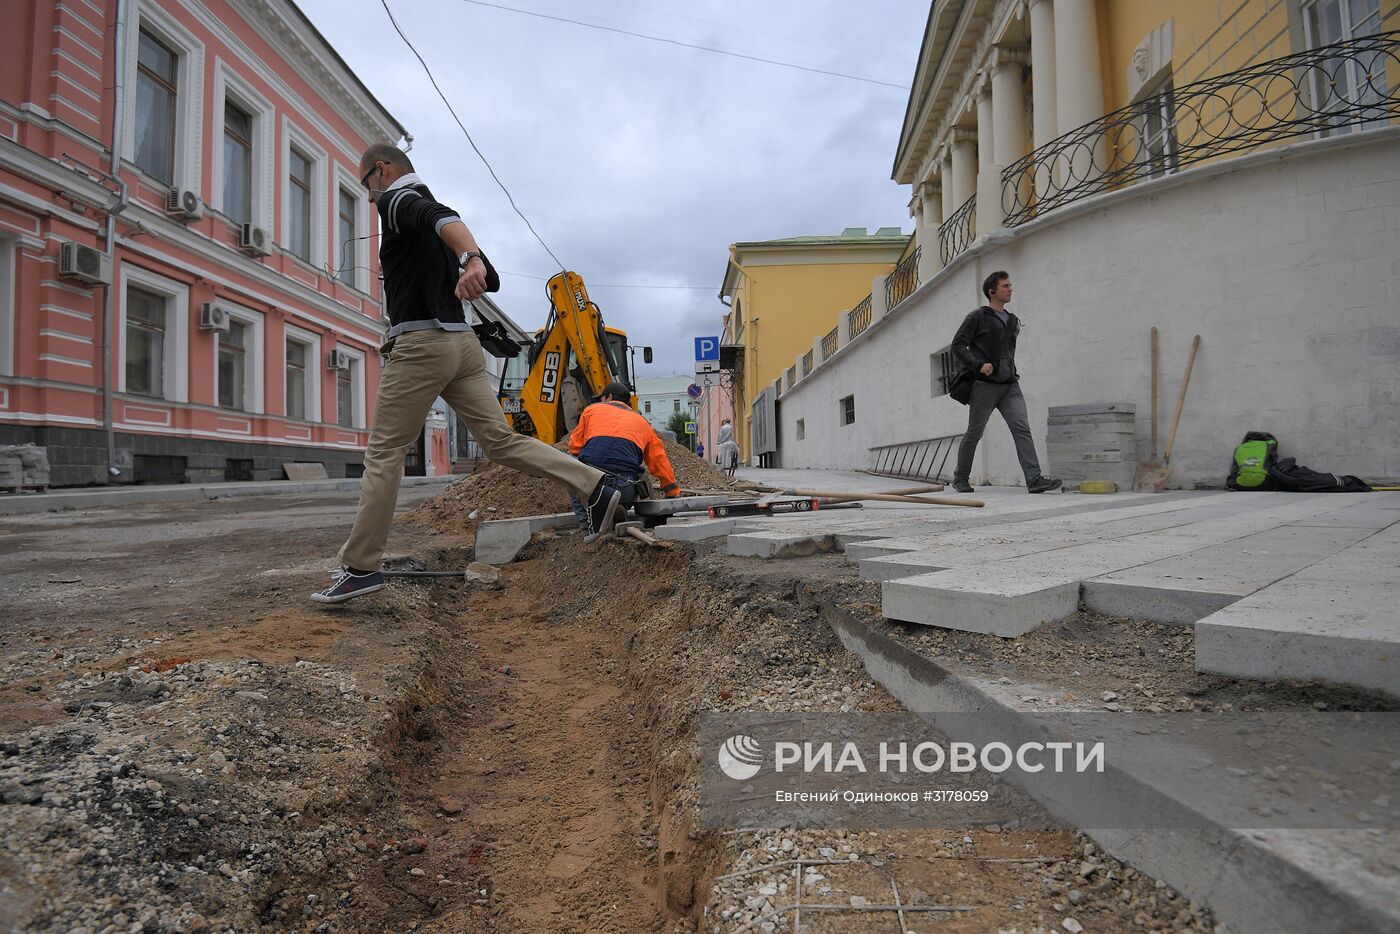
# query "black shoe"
(347, 585)
(602, 510)
(1042, 485)
(962, 486)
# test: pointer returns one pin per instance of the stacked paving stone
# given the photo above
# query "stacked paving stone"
(1093, 442)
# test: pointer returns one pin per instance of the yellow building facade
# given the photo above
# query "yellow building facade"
(785, 294)
(1025, 103)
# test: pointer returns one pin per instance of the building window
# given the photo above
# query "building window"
(299, 204)
(1157, 126)
(646, 406)
(347, 236)
(233, 367)
(296, 379)
(801, 428)
(1347, 82)
(848, 410)
(238, 164)
(345, 398)
(145, 343)
(942, 369)
(676, 403)
(156, 77)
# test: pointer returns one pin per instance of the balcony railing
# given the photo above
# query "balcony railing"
(807, 363)
(901, 283)
(1322, 90)
(957, 232)
(860, 316)
(829, 343)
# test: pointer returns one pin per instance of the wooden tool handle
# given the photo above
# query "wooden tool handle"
(1154, 394)
(1181, 399)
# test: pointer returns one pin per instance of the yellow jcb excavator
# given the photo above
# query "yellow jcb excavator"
(569, 363)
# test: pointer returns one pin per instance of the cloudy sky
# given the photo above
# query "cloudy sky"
(637, 161)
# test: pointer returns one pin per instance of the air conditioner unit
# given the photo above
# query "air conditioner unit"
(337, 360)
(84, 264)
(253, 241)
(213, 317)
(183, 204)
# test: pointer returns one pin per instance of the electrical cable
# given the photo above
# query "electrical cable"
(688, 45)
(606, 285)
(468, 135)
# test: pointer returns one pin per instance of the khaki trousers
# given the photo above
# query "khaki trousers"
(422, 366)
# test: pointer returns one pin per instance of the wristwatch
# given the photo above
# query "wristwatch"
(467, 258)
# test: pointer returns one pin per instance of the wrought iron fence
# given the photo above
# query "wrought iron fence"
(829, 343)
(901, 283)
(957, 232)
(1323, 90)
(860, 316)
(807, 363)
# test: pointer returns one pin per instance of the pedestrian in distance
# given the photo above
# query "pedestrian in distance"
(986, 346)
(432, 265)
(613, 437)
(700, 450)
(726, 449)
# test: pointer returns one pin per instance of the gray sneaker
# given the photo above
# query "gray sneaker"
(961, 486)
(348, 586)
(1043, 485)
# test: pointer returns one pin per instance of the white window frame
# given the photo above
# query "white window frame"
(294, 136)
(252, 359)
(357, 389)
(177, 330)
(230, 88)
(1351, 68)
(189, 91)
(359, 250)
(8, 259)
(315, 370)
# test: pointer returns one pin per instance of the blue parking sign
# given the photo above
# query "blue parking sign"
(706, 348)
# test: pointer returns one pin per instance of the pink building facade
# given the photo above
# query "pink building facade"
(206, 305)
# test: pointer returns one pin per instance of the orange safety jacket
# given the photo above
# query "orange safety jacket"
(614, 438)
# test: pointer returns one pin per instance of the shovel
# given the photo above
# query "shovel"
(1152, 477)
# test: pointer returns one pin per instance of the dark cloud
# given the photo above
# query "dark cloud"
(638, 162)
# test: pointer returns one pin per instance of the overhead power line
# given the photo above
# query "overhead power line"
(688, 45)
(610, 285)
(468, 135)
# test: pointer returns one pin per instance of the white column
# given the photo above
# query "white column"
(1008, 107)
(1078, 76)
(986, 131)
(930, 256)
(964, 166)
(945, 175)
(1045, 125)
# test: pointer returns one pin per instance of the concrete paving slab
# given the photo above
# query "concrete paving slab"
(500, 540)
(1343, 632)
(1185, 588)
(1334, 620)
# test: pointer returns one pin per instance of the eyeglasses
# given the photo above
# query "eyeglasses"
(365, 180)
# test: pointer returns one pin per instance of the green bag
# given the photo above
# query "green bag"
(1253, 458)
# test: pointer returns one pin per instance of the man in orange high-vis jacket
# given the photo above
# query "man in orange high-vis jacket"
(613, 438)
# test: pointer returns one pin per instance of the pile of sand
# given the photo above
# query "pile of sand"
(498, 492)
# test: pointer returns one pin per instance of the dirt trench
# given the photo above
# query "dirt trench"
(532, 785)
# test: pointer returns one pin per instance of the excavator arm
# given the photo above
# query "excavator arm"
(571, 362)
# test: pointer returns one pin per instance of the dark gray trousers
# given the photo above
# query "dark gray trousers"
(1007, 399)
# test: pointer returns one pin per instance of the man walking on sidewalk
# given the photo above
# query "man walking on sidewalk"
(986, 344)
(432, 265)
